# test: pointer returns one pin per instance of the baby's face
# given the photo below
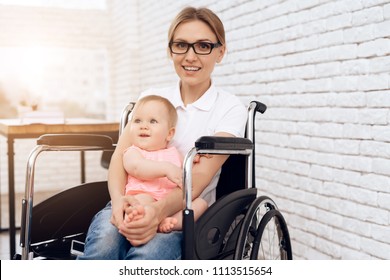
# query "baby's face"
(150, 127)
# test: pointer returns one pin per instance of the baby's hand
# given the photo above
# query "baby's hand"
(175, 174)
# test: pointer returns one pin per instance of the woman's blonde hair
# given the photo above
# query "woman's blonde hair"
(203, 14)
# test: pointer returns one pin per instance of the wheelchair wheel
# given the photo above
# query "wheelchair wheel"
(258, 208)
(272, 241)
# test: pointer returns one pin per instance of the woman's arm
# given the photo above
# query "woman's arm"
(117, 178)
(204, 170)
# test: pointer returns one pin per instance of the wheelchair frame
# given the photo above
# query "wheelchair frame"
(242, 239)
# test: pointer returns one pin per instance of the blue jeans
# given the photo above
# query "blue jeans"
(104, 242)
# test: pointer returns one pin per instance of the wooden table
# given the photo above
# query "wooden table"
(14, 129)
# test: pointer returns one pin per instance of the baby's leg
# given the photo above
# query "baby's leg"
(175, 222)
(137, 212)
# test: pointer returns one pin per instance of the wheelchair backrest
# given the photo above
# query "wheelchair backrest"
(233, 175)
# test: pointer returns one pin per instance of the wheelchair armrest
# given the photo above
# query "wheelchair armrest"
(79, 140)
(223, 143)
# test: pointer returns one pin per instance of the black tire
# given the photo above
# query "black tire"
(259, 207)
(272, 241)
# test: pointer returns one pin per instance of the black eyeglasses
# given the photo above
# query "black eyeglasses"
(202, 48)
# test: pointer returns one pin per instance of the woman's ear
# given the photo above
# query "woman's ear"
(221, 53)
(169, 53)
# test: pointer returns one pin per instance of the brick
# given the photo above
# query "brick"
(328, 218)
(383, 200)
(321, 173)
(377, 249)
(364, 196)
(316, 254)
(386, 11)
(367, 16)
(355, 131)
(348, 239)
(375, 149)
(328, 248)
(374, 116)
(332, 130)
(339, 21)
(345, 146)
(328, 69)
(381, 166)
(358, 163)
(370, 3)
(334, 190)
(348, 6)
(356, 226)
(355, 67)
(380, 233)
(381, 133)
(380, 64)
(375, 182)
(379, 47)
(320, 229)
(382, 29)
(347, 99)
(362, 33)
(344, 83)
(350, 254)
(345, 115)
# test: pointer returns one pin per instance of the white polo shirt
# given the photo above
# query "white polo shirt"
(216, 111)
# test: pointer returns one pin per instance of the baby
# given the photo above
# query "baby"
(154, 169)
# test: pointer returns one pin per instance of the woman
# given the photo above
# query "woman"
(196, 43)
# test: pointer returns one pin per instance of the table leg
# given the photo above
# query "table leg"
(0, 196)
(82, 166)
(11, 196)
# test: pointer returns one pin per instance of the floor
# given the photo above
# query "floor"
(4, 234)
(4, 245)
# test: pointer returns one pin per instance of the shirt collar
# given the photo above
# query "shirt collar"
(204, 103)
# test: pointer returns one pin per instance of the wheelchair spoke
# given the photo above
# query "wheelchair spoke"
(246, 243)
(272, 240)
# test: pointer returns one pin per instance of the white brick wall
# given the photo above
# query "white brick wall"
(322, 68)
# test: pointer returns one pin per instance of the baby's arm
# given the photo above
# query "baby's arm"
(139, 167)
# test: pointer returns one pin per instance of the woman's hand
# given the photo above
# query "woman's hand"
(119, 207)
(142, 229)
(198, 156)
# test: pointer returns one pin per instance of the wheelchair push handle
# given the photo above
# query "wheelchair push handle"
(258, 106)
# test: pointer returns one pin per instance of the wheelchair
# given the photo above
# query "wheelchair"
(242, 224)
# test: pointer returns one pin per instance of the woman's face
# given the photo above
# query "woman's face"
(194, 69)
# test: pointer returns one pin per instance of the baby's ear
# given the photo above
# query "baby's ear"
(171, 133)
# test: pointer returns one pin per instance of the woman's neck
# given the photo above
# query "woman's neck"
(190, 94)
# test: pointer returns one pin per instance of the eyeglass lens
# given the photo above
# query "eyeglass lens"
(199, 47)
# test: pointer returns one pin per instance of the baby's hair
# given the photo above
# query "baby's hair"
(171, 109)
